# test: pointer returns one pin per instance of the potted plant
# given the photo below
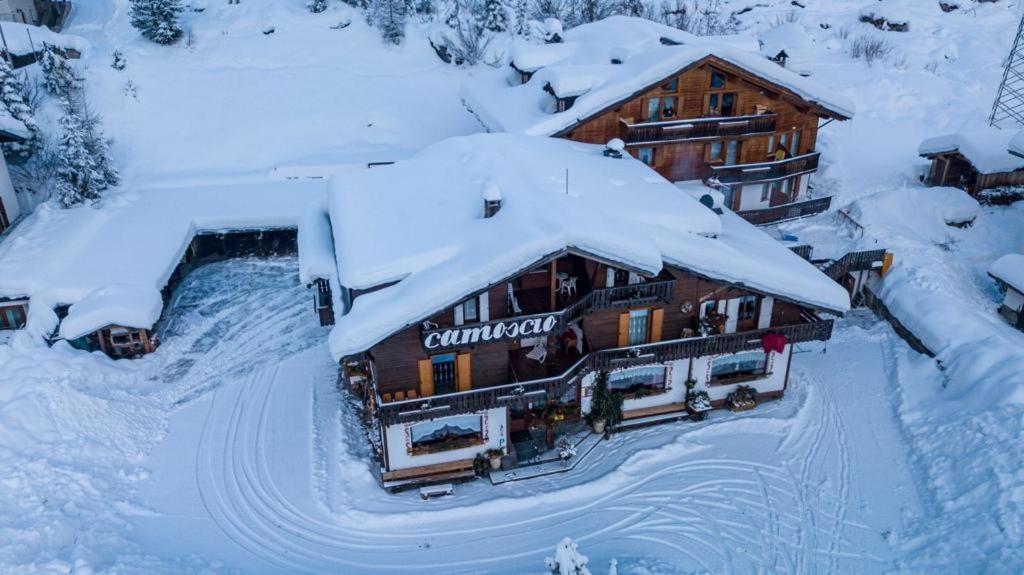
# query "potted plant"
(598, 403)
(742, 399)
(494, 458)
(698, 403)
(480, 464)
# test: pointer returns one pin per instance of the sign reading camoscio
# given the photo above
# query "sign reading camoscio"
(513, 328)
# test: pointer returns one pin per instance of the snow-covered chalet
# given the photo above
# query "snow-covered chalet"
(692, 108)
(489, 279)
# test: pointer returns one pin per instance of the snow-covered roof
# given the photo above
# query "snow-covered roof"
(111, 262)
(1009, 269)
(986, 148)
(316, 246)
(24, 39)
(417, 227)
(11, 127)
(582, 66)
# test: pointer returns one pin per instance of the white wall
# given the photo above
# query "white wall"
(396, 438)
(750, 198)
(7, 194)
(774, 381)
(804, 181)
(675, 384)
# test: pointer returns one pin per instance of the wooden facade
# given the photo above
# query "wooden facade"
(711, 121)
(953, 169)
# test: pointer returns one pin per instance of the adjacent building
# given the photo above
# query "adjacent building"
(974, 160)
(692, 108)
(490, 278)
(1008, 271)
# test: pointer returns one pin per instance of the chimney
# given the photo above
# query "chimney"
(492, 199)
(614, 148)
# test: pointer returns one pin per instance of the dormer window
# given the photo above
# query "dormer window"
(563, 104)
(524, 76)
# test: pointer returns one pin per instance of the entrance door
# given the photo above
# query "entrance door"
(444, 373)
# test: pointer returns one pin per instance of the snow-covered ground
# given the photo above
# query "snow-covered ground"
(231, 449)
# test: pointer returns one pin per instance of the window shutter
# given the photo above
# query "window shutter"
(459, 310)
(484, 309)
(609, 277)
(657, 319)
(624, 329)
(732, 311)
(463, 372)
(764, 315)
(426, 378)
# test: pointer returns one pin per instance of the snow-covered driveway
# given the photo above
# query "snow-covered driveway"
(267, 473)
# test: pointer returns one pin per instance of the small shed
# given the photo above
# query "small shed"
(1008, 271)
(973, 160)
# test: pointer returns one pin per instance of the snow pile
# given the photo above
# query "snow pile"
(24, 39)
(607, 61)
(793, 39)
(316, 246)
(1009, 269)
(427, 235)
(113, 260)
(986, 148)
(918, 211)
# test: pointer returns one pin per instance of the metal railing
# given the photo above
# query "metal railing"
(766, 171)
(698, 128)
(557, 386)
(785, 212)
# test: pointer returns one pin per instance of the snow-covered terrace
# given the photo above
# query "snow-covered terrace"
(582, 66)
(111, 262)
(987, 149)
(417, 228)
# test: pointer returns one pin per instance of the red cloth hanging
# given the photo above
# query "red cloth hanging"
(773, 342)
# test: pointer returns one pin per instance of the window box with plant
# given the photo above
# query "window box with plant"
(744, 398)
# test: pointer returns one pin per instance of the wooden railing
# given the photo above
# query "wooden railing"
(604, 298)
(766, 171)
(854, 262)
(785, 212)
(551, 388)
(698, 128)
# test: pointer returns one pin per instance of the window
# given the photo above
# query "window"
(715, 151)
(670, 86)
(660, 108)
(708, 307)
(717, 79)
(795, 147)
(668, 107)
(651, 378)
(446, 434)
(444, 373)
(748, 308)
(620, 278)
(469, 310)
(771, 144)
(749, 365)
(653, 109)
(723, 104)
(787, 188)
(646, 155)
(784, 141)
(639, 320)
(765, 192)
(732, 153)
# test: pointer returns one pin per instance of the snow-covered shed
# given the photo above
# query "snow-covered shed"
(24, 42)
(1008, 271)
(499, 269)
(112, 266)
(973, 160)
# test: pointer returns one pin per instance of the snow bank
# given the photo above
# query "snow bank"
(113, 260)
(793, 39)
(583, 66)
(1009, 269)
(427, 231)
(986, 148)
(25, 39)
(927, 212)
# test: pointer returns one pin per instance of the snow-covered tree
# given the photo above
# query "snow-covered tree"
(59, 78)
(389, 16)
(316, 6)
(119, 61)
(567, 560)
(156, 19)
(75, 182)
(12, 96)
(496, 16)
(521, 14)
(99, 149)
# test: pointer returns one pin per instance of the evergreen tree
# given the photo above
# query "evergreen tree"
(99, 150)
(59, 78)
(156, 19)
(522, 18)
(495, 16)
(389, 16)
(316, 6)
(12, 96)
(75, 182)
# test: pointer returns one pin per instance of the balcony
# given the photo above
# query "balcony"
(545, 323)
(698, 128)
(766, 171)
(555, 387)
(786, 212)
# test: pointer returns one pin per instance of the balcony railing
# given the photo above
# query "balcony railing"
(854, 262)
(698, 128)
(785, 212)
(440, 339)
(766, 171)
(548, 389)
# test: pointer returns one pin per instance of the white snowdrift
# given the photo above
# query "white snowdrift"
(24, 39)
(428, 234)
(112, 261)
(933, 209)
(582, 66)
(986, 148)
(1009, 269)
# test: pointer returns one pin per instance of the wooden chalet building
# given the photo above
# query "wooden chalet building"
(973, 161)
(486, 292)
(1008, 271)
(691, 108)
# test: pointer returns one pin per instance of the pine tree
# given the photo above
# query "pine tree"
(522, 18)
(59, 78)
(495, 16)
(98, 147)
(12, 96)
(316, 6)
(156, 19)
(75, 183)
(389, 16)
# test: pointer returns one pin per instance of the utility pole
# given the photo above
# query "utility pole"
(1008, 109)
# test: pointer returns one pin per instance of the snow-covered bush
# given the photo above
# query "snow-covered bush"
(59, 78)
(885, 17)
(156, 19)
(316, 6)
(567, 560)
(870, 48)
(119, 61)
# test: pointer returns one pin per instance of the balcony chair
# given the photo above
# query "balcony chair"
(567, 285)
(539, 353)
